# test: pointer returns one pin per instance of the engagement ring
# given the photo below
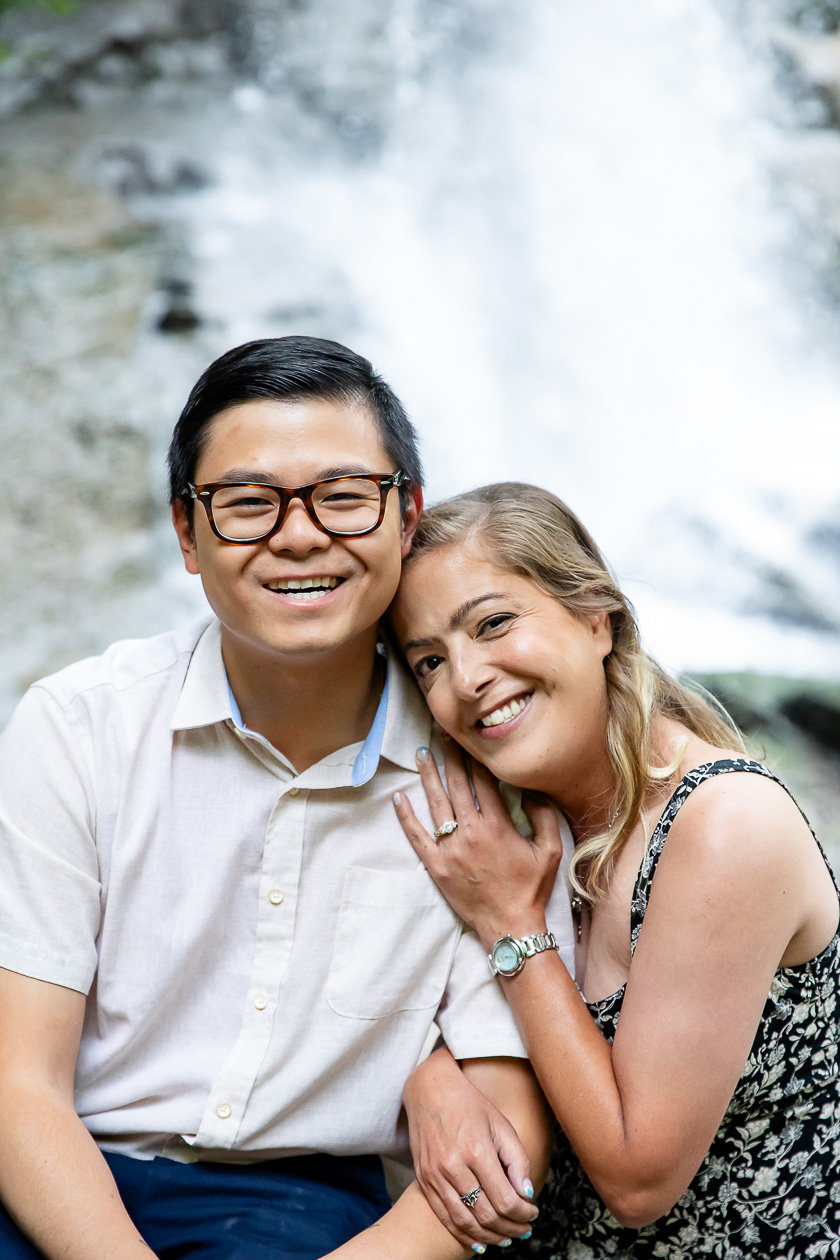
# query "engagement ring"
(445, 829)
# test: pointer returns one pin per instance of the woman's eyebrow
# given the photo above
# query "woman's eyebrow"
(458, 617)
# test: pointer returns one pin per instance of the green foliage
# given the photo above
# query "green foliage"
(62, 7)
(54, 6)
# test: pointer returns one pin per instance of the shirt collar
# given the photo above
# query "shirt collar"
(205, 695)
(402, 722)
(409, 722)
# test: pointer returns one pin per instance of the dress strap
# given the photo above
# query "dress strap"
(686, 785)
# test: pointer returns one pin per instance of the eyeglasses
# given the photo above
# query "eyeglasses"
(343, 507)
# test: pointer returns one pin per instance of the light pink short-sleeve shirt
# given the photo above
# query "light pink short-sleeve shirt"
(263, 954)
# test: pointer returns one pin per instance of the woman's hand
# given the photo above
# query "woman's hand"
(459, 1141)
(495, 879)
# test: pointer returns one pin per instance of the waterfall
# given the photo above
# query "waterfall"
(556, 229)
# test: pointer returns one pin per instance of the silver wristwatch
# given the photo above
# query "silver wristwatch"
(507, 957)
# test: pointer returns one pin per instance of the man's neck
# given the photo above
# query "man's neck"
(307, 707)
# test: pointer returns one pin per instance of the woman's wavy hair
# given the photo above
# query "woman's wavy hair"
(528, 531)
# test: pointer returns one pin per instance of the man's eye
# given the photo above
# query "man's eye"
(250, 503)
(425, 667)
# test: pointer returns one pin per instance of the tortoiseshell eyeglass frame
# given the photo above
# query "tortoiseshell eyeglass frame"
(385, 482)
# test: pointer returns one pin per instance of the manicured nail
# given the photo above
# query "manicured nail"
(527, 1234)
(528, 1188)
(422, 753)
(506, 1243)
(397, 798)
(480, 1248)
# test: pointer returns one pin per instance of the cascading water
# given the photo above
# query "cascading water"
(553, 229)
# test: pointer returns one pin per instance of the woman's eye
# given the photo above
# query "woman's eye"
(495, 622)
(425, 667)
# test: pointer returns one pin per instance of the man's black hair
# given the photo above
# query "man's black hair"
(290, 369)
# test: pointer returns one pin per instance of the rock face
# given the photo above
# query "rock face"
(816, 718)
(176, 177)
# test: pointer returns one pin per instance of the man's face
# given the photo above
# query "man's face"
(294, 444)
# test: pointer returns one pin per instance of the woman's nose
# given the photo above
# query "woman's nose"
(471, 674)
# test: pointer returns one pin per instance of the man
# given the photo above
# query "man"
(211, 928)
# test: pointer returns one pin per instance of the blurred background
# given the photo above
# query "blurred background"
(591, 244)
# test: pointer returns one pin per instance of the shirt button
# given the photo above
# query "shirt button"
(276, 896)
(223, 1111)
(261, 1001)
(295, 791)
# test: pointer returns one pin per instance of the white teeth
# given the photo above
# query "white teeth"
(505, 713)
(304, 588)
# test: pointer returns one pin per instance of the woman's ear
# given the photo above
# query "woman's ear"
(410, 518)
(602, 633)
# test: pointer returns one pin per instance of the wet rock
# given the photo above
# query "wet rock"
(205, 17)
(179, 316)
(827, 538)
(780, 596)
(815, 717)
(816, 57)
(140, 168)
(112, 47)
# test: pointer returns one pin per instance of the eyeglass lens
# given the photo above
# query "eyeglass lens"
(350, 506)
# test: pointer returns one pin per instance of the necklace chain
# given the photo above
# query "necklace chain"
(577, 900)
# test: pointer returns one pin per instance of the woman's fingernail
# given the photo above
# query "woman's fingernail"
(397, 798)
(506, 1243)
(527, 1234)
(480, 1248)
(422, 753)
(528, 1188)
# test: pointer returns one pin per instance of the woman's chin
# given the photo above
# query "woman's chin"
(509, 764)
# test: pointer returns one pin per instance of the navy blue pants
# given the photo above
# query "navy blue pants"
(284, 1209)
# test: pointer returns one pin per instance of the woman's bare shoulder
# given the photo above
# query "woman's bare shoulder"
(746, 807)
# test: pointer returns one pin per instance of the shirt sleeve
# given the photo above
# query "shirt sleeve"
(49, 890)
(474, 1017)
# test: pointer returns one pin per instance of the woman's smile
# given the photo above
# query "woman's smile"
(505, 718)
(507, 671)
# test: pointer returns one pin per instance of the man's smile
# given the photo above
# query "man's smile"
(305, 589)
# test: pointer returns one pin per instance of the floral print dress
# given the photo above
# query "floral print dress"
(769, 1188)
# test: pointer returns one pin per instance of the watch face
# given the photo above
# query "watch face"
(506, 956)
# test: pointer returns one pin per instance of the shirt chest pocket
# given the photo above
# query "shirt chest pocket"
(394, 943)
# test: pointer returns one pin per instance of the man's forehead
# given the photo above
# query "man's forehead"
(272, 440)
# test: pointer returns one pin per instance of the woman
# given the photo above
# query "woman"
(706, 1120)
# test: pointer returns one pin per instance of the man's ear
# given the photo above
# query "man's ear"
(410, 519)
(186, 537)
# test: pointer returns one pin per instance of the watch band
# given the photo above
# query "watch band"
(508, 955)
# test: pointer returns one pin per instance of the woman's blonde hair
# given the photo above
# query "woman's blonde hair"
(525, 530)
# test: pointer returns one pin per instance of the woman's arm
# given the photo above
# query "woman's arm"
(460, 1139)
(731, 891)
(412, 1230)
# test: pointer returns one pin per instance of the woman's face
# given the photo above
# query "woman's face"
(507, 671)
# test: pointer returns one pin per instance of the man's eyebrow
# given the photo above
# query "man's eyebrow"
(458, 617)
(261, 477)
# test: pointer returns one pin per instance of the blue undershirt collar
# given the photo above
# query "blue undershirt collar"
(367, 759)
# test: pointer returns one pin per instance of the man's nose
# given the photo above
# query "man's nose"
(298, 533)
